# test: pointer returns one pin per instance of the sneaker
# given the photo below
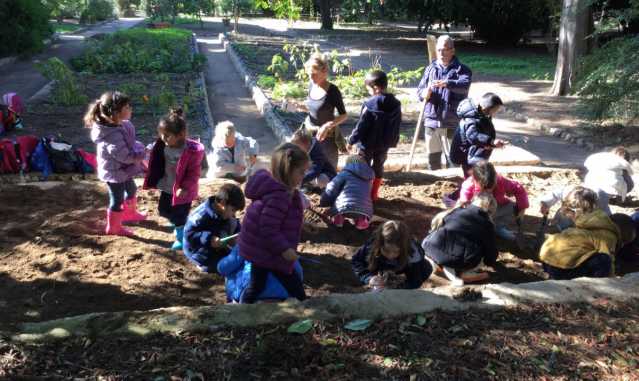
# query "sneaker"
(451, 275)
(474, 276)
(503, 233)
(338, 220)
(362, 223)
(436, 268)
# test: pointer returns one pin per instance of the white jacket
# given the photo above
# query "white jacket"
(605, 172)
(221, 161)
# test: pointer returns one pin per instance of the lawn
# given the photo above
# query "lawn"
(532, 66)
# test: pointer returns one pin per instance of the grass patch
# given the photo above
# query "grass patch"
(140, 50)
(532, 67)
(65, 27)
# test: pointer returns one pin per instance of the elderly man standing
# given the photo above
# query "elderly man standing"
(445, 83)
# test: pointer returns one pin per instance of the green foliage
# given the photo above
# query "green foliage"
(61, 9)
(300, 327)
(404, 78)
(64, 27)
(352, 86)
(529, 67)
(140, 50)
(266, 81)
(65, 90)
(97, 10)
(289, 90)
(298, 55)
(284, 9)
(279, 67)
(23, 26)
(607, 82)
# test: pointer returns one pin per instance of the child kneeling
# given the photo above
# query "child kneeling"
(462, 238)
(588, 249)
(391, 250)
(321, 171)
(233, 154)
(210, 222)
(237, 272)
(349, 193)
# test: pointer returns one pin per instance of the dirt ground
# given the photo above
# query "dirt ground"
(54, 262)
(553, 342)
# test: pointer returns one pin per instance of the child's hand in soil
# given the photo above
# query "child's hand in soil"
(376, 282)
(215, 243)
(290, 255)
(180, 192)
(500, 143)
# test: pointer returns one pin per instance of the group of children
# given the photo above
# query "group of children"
(258, 256)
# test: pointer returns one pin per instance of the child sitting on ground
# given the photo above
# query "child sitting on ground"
(485, 179)
(391, 250)
(377, 129)
(175, 165)
(461, 238)
(349, 193)
(588, 249)
(611, 172)
(233, 155)
(273, 222)
(321, 171)
(237, 272)
(210, 222)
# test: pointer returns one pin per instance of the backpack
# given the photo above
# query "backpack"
(63, 156)
(9, 120)
(15, 153)
(14, 102)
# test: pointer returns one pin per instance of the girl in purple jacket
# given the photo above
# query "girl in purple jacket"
(273, 222)
(119, 157)
(174, 168)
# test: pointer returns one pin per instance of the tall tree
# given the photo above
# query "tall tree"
(325, 10)
(575, 28)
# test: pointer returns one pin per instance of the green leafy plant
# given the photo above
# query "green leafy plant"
(266, 81)
(23, 26)
(65, 89)
(97, 10)
(279, 67)
(284, 90)
(133, 89)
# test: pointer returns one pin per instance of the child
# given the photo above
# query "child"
(273, 222)
(349, 193)
(611, 172)
(237, 272)
(233, 154)
(119, 157)
(321, 171)
(588, 249)
(378, 127)
(485, 179)
(175, 164)
(462, 238)
(213, 220)
(391, 250)
(560, 221)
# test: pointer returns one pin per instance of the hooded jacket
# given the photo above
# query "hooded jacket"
(444, 100)
(272, 223)
(119, 155)
(593, 233)
(222, 160)
(504, 188)
(378, 126)
(474, 137)
(350, 190)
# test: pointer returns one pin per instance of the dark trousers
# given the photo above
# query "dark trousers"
(177, 214)
(597, 266)
(291, 282)
(117, 192)
(376, 160)
(208, 262)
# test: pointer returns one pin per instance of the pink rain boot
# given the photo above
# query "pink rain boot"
(361, 223)
(131, 213)
(114, 224)
(338, 220)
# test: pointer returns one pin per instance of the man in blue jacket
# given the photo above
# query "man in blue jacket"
(445, 83)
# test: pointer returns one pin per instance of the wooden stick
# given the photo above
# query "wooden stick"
(416, 136)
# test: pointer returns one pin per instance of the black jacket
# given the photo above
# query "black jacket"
(378, 126)
(474, 137)
(466, 237)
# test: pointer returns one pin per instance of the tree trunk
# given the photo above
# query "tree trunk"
(576, 25)
(325, 10)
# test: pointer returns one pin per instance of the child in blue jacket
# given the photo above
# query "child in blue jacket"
(377, 129)
(237, 272)
(210, 222)
(321, 170)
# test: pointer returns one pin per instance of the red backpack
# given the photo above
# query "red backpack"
(14, 154)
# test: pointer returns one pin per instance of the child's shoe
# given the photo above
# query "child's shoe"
(377, 183)
(114, 224)
(451, 274)
(179, 238)
(338, 220)
(504, 233)
(131, 213)
(361, 223)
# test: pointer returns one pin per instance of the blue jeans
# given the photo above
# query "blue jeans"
(117, 191)
(597, 266)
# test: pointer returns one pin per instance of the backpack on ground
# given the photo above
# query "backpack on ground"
(62, 156)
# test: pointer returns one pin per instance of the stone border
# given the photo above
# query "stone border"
(206, 117)
(369, 305)
(263, 103)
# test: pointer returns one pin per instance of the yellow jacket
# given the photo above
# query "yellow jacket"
(593, 233)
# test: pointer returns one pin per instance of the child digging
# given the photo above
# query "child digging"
(377, 129)
(321, 171)
(119, 157)
(272, 224)
(175, 165)
(349, 193)
(210, 222)
(391, 250)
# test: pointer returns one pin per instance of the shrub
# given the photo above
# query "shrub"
(65, 90)
(97, 10)
(607, 82)
(266, 81)
(24, 24)
(279, 67)
(289, 90)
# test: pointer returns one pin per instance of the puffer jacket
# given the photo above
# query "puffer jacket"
(237, 272)
(272, 223)
(504, 188)
(350, 190)
(474, 137)
(593, 233)
(444, 100)
(222, 161)
(606, 172)
(466, 237)
(378, 126)
(119, 155)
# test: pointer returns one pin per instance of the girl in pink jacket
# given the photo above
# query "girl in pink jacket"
(485, 179)
(174, 168)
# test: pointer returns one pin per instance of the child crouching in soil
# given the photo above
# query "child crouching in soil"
(391, 251)
(321, 171)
